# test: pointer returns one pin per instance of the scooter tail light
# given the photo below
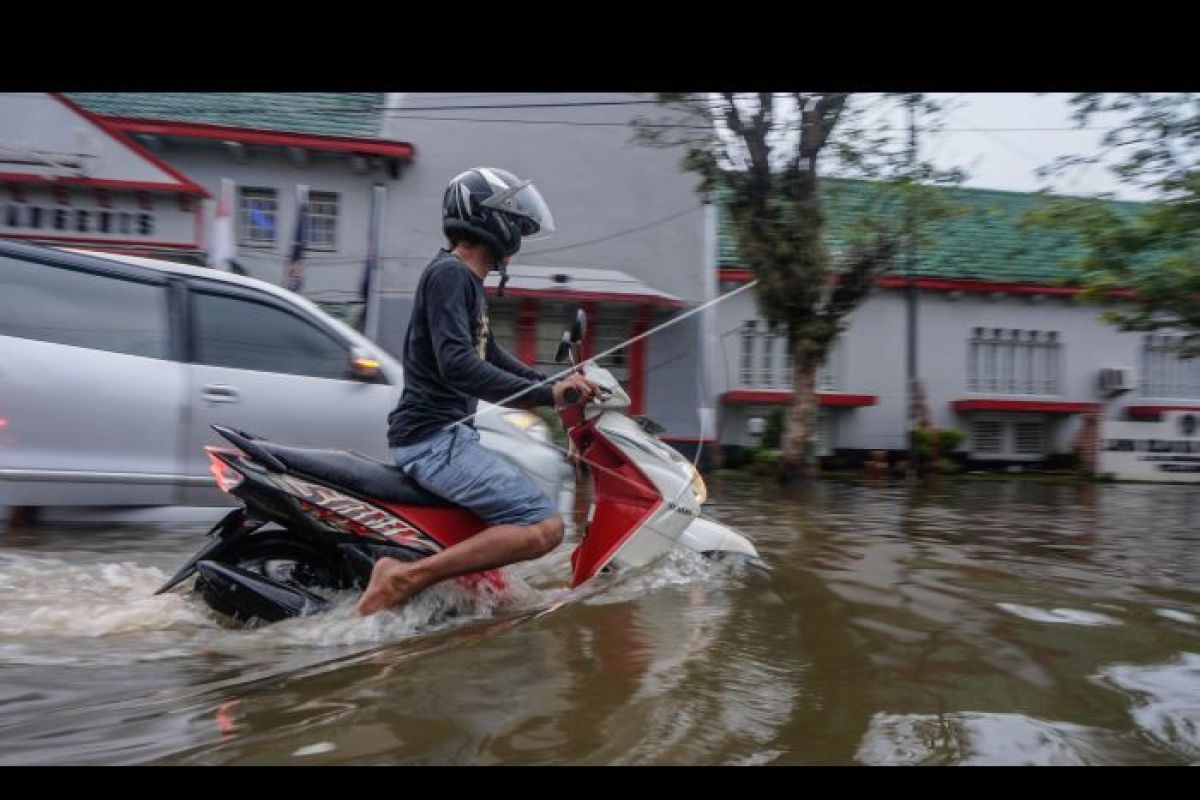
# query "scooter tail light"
(226, 476)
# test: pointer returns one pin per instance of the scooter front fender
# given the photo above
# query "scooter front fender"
(705, 537)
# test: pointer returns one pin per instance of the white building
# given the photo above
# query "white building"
(1006, 353)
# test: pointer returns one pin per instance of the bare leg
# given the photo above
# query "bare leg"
(394, 581)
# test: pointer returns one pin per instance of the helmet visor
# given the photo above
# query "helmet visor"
(522, 200)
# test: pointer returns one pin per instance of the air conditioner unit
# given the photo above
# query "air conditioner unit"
(1115, 381)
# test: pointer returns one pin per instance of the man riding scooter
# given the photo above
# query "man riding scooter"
(451, 360)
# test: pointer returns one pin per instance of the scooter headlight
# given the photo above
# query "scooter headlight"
(529, 423)
(699, 489)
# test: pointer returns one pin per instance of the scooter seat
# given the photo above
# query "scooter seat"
(354, 472)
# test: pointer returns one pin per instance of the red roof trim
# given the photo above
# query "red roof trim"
(1006, 404)
(738, 274)
(82, 242)
(742, 275)
(974, 285)
(566, 294)
(99, 183)
(828, 399)
(1148, 411)
(104, 125)
(197, 130)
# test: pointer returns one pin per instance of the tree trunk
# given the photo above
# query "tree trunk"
(800, 420)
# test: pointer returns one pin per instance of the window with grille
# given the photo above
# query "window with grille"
(256, 216)
(322, 220)
(766, 360)
(502, 319)
(827, 373)
(749, 337)
(612, 326)
(552, 319)
(1018, 437)
(1012, 361)
(1029, 438)
(987, 436)
(766, 352)
(1164, 372)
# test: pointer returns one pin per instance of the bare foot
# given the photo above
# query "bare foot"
(390, 584)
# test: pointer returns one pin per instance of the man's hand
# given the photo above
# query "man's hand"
(586, 388)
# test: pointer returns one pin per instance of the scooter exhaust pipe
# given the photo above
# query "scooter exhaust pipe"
(243, 594)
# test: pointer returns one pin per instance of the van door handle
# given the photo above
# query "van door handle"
(220, 393)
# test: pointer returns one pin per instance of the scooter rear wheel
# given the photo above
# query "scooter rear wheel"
(280, 558)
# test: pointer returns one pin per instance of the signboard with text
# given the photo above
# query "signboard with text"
(1167, 450)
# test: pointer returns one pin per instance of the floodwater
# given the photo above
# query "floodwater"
(958, 623)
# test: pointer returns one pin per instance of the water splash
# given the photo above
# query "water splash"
(971, 738)
(1062, 616)
(47, 597)
(1166, 700)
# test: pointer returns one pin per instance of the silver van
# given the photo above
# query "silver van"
(113, 368)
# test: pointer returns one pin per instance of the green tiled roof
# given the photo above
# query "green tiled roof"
(985, 242)
(325, 113)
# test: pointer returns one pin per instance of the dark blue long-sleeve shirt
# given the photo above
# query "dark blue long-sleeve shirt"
(451, 358)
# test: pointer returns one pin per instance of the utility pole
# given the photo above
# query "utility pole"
(372, 309)
(911, 316)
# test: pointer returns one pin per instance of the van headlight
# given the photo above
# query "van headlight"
(699, 489)
(529, 423)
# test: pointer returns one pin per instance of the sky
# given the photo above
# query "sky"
(996, 158)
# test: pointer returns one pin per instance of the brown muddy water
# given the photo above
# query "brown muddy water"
(958, 623)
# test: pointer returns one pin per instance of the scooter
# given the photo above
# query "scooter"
(314, 521)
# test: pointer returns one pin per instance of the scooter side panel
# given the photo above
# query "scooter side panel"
(626, 499)
(446, 525)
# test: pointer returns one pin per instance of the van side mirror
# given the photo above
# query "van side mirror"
(365, 367)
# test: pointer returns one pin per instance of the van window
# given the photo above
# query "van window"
(244, 334)
(64, 305)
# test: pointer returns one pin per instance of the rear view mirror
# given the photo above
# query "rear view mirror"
(564, 349)
(579, 326)
(365, 367)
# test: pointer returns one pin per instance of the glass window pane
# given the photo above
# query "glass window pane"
(243, 334)
(84, 309)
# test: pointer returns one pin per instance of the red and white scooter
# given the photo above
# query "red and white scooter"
(317, 520)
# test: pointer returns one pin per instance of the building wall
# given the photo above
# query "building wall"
(597, 180)
(870, 359)
(44, 139)
(330, 276)
(599, 183)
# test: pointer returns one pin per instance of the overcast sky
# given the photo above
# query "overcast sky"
(996, 158)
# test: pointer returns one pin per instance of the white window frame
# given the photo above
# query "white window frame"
(1163, 372)
(1014, 361)
(746, 361)
(1008, 423)
(270, 200)
(765, 359)
(766, 354)
(322, 219)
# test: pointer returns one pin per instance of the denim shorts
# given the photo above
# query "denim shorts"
(454, 465)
